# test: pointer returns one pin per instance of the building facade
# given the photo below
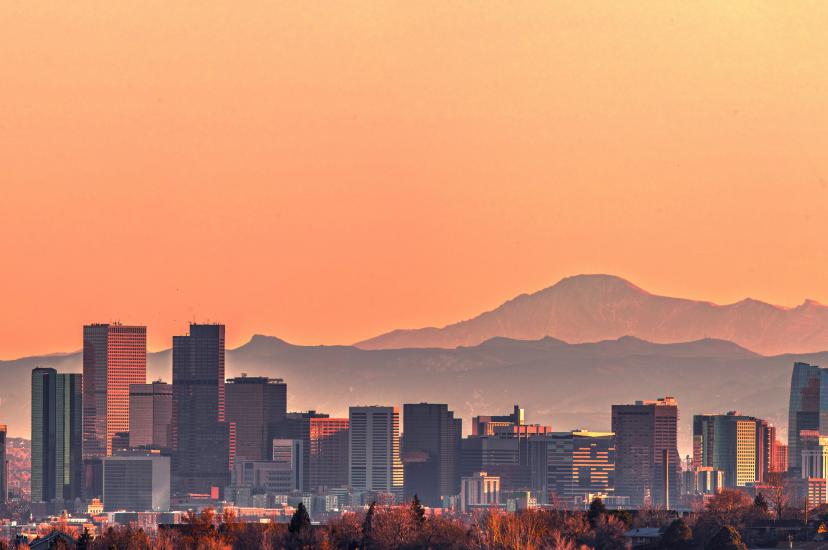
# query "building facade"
(57, 436)
(297, 426)
(329, 453)
(431, 452)
(150, 415)
(4, 466)
(202, 440)
(803, 408)
(740, 446)
(479, 490)
(114, 357)
(136, 483)
(252, 404)
(647, 459)
(570, 465)
(375, 463)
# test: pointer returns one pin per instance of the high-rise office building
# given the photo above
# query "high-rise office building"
(803, 408)
(779, 458)
(647, 460)
(252, 404)
(502, 456)
(114, 356)
(4, 466)
(571, 465)
(202, 440)
(136, 482)
(375, 450)
(328, 461)
(150, 415)
(297, 426)
(739, 445)
(431, 452)
(57, 435)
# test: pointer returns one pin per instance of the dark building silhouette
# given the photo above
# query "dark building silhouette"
(150, 415)
(57, 436)
(430, 452)
(252, 404)
(202, 439)
(803, 408)
(329, 453)
(642, 432)
(296, 426)
(4, 475)
(497, 455)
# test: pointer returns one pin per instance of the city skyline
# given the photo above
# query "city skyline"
(414, 275)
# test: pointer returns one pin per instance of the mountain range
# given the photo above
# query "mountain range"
(590, 308)
(563, 385)
(566, 354)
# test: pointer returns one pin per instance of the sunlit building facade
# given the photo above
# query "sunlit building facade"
(114, 357)
(567, 465)
(328, 460)
(647, 459)
(375, 463)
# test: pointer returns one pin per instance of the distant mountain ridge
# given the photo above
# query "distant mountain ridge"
(563, 385)
(590, 308)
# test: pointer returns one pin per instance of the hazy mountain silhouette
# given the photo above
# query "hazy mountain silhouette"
(564, 385)
(588, 308)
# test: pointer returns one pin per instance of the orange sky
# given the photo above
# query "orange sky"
(326, 171)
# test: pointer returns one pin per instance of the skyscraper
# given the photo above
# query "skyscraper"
(136, 482)
(645, 434)
(803, 408)
(201, 437)
(114, 356)
(375, 450)
(297, 426)
(498, 455)
(150, 415)
(431, 452)
(328, 462)
(252, 404)
(57, 415)
(736, 444)
(4, 465)
(570, 465)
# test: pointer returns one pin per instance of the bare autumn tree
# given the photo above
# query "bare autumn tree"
(778, 494)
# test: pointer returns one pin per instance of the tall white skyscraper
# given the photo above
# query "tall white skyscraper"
(374, 463)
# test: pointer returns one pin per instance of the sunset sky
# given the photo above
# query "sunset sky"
(327, 171)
